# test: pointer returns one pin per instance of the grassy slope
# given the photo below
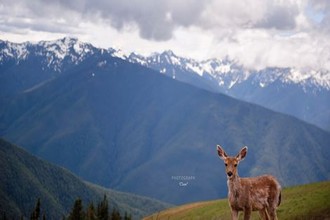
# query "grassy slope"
(310, 201)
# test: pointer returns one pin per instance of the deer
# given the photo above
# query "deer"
(261, 193)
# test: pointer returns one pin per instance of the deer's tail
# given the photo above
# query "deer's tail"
(279, 199)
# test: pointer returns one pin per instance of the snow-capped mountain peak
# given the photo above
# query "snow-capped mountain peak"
(225, 73)
(54, 53)
(228, 73)
(320, 78)
(67, 47)
(13, 50)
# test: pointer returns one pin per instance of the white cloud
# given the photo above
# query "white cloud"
(256, 33)
(258, 49)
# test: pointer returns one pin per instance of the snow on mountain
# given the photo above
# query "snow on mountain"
(53, 53)
(12, 50)
(228, 73)
(67, 48)
(319, 78)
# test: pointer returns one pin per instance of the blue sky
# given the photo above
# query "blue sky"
(255, 33)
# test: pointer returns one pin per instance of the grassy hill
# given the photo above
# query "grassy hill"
(25, 178)
(310, 201)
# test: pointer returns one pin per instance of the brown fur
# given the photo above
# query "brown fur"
(261, 193)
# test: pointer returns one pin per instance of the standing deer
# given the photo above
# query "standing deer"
(262, 193)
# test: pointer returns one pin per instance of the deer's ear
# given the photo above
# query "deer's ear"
(222, 154)
(242, 153)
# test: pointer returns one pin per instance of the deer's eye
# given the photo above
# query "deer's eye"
(226, 164)
(235, 165)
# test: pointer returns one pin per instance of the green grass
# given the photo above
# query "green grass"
(310, 201)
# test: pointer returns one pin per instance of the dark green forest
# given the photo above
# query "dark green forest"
(79, 212)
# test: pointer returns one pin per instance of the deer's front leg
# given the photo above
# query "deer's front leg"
(247, 213)
(234, 214)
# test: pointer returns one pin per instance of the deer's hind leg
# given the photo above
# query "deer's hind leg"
(247, 213)
(263, 214)
(272, 213)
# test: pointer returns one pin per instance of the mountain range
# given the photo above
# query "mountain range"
(303, 94)
(123, 125)
(25, 178)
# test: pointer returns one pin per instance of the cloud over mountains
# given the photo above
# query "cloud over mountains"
(256, 33)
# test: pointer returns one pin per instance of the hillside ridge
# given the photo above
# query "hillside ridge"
(300, 202)
(25, 178)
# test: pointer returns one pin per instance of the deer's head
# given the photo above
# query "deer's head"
(231, 163)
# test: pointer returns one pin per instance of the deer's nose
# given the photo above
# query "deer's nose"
(229, 173)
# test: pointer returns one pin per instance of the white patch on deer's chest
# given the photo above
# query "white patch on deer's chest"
(235, 196)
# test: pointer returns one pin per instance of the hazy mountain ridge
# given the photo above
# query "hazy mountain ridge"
(25, 178)
(305, 95)
(135, 130)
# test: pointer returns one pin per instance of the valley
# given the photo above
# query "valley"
(25, 178)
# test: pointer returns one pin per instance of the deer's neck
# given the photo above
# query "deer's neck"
(234, 186)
